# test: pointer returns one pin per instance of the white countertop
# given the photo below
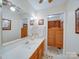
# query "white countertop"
(20, 50)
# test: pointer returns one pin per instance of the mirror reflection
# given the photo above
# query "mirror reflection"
(14, 23)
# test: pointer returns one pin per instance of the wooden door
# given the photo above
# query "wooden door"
(59, 38)
(58, 24)
(55, 33)
(51, 37)
(51, 24)
(23, 32)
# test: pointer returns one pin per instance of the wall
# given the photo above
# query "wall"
(72, 39)
(14, 33)
(40, 29)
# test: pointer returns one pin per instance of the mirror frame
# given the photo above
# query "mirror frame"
(77, 21)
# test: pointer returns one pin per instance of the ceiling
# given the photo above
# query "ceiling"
(28, 4)
(45, 4)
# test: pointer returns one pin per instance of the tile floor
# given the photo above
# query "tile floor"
(51, 52)
(54, 53)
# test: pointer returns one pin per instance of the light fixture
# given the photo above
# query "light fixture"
(12, 8)
(35, 17)
(40, 1)
(50, 1)
(32, 18)
(50, 16)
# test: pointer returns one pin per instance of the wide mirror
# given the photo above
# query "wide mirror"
(14, 23)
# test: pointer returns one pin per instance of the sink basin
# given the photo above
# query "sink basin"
(27, 42)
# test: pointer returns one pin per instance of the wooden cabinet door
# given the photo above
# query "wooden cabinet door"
(59, 39)
(41, 50)
(35, 55)
(38, 54)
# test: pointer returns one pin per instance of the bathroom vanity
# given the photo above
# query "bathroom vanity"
(38, 54)
(24, 49)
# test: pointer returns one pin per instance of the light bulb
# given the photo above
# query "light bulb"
(12, 9)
